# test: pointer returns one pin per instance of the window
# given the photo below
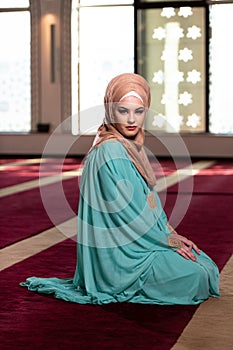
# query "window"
(17, 4)
(172, 58)
(15, 99)
(104, 48)
(184, 54)
(221, 69)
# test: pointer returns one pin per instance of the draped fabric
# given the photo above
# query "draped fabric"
(118, 88)
(135, 151)
(123, 253)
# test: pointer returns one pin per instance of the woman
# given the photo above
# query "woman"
(127, 251)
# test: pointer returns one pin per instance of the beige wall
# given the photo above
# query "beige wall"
(202, 145)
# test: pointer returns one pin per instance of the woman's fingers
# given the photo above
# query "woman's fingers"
(197, 250)
(192, 245)
(187, 247)
(189, 243)
(186, 253)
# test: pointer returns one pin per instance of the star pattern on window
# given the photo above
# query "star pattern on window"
(193, 120)
(183, 33)
(176, 121)
(159, 120)
(165, 99)
(185, 98)
(159, 33)
(185, 55)
(178, 32)
(193, 76)
(194, 32)
(158, 77)
(168, 12)
(185, 12)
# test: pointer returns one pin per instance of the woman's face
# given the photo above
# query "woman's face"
(129, 116)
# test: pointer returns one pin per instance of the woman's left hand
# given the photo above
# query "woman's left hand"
(186, 247)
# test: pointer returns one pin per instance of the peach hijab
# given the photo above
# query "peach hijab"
(117, 88)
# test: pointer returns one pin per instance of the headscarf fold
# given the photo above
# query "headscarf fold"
(116, 89)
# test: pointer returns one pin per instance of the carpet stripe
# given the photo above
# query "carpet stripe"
(211, 325)
(182, 174)
(39, 182)
(30, 246)
(24, 162)
(162, 183)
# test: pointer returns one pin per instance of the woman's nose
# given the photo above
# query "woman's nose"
(131, 118)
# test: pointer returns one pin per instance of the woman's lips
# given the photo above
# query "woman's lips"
(131, 128)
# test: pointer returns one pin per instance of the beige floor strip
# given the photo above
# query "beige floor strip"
(39, 182)
(22, 250)
(162, 183)
(24, 162)
(182, 174)
(211, 327)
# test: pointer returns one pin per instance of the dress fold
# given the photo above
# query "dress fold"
(123, 254)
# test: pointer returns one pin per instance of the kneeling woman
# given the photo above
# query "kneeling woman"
(126, 250)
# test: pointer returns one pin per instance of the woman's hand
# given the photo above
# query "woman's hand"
(186, 247)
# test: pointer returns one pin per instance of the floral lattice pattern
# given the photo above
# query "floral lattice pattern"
(175, 55)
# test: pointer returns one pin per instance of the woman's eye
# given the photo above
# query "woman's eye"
(122, 110)
(140, 111)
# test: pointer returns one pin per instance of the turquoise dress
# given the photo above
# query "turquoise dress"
(123, 253)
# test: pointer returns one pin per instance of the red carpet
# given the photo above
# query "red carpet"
(41, 322)
(164, 167)
(4, 161)
(14, 175)
(32, 321)
(208, 221)
(216, 179)
(25, 209)
(23, 214)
